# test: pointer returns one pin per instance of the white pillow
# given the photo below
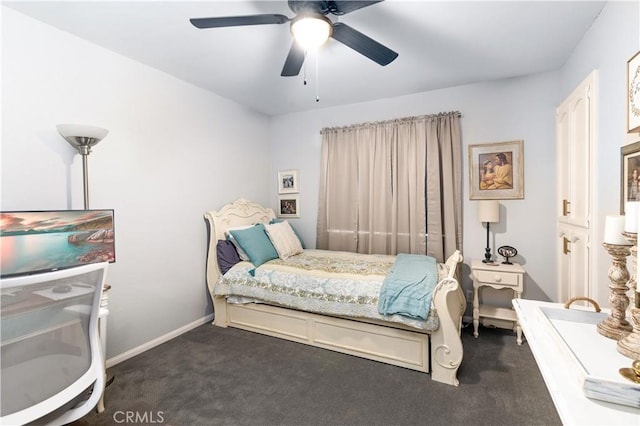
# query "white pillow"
(284, 239)
(241, 253)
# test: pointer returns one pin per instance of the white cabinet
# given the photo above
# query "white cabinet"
(575, 139)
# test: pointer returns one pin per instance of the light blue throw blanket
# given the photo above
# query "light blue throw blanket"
(408, 287)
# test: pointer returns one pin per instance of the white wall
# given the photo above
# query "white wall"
(612, 40)
(521, 108)
(173, 152)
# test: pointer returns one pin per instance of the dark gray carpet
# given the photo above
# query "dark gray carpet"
(216, 376)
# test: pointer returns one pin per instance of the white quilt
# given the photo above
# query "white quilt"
(326, 282)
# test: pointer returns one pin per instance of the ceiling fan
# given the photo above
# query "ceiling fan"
(312, 14)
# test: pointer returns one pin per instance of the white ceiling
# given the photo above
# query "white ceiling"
(440, 44)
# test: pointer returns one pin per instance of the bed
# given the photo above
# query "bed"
(333, 300)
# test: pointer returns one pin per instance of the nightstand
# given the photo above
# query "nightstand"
(498, 276)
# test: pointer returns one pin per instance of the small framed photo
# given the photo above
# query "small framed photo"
(288, 182)
(633, 94)
(289, 206)
(496, 171)
(629, 174)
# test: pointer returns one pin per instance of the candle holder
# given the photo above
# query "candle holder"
(615, 326)
(634, 299)
(629, 346)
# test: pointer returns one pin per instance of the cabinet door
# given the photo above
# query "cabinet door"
(575, 138)
(574, 135)
(573, 263)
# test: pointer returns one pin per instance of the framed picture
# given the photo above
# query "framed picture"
(633, 94)
(496, 171)
(289, 206)
(629, 174)
(288, 182)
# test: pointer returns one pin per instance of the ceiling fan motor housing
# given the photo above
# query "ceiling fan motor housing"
(301, 6)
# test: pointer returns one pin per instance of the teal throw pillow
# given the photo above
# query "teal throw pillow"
(256, 244)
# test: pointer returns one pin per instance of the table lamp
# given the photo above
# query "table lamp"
(488, 212)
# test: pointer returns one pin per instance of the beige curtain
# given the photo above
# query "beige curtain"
(392, 187)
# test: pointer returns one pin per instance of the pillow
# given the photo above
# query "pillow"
(241, 253)
(255, 243)
(294, 230)
(284, 239)
(227, 255)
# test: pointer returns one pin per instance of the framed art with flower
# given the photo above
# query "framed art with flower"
(633, 94)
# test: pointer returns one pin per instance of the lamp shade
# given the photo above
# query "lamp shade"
(489, 211)
(82, 137)
(311, 30)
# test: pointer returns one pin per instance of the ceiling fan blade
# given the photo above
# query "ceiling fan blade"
(294, 61)
(346, 6)
(363, 44)
(235, 21)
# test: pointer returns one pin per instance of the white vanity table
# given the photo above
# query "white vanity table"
(562, 373)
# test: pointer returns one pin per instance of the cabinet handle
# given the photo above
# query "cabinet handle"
(497, 278)
(565, 245)
(565, 207)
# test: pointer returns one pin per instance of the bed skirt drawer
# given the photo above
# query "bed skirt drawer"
(379, 343)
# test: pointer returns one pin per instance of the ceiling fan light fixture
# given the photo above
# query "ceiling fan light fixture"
(311, 30)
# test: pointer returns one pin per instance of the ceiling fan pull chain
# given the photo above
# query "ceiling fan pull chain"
(317, 76)
(304, 69)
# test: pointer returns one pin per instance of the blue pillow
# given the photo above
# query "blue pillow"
(256, 244)
(272, 221)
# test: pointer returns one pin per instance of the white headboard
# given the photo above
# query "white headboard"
(240, 212)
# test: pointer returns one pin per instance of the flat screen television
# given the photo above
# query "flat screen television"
(42, 241)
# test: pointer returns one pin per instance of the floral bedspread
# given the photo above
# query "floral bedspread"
(325, 282)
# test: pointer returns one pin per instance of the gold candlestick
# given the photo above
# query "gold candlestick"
(615, 326)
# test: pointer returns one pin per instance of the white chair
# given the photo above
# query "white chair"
(51, 359)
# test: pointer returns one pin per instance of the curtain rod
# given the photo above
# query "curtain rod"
(395, 120)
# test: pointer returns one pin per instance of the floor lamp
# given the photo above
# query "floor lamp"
(489, 212)
(82, 138)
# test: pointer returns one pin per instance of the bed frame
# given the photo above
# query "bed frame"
(439, 352)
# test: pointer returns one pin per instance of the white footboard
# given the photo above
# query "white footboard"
(446, 343)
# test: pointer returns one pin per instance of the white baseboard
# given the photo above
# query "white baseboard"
(157, 341)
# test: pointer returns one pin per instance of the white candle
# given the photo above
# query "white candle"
(631, 216)
(613, 228)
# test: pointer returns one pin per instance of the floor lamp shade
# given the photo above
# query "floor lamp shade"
(82, 138)
(489, 211)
